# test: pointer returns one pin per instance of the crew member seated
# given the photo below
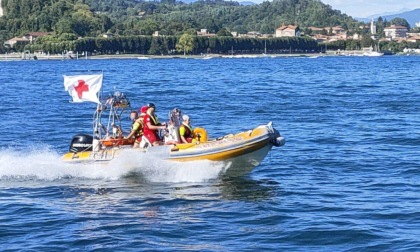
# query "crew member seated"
(137, 128)
(186, 131)
(152, 125)
(133, 116)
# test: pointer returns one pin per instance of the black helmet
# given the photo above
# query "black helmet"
(150, 105)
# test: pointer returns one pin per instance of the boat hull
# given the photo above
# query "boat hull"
(244, 164)
(239, 153)
(219, 153)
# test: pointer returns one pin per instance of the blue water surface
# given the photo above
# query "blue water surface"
(348, 178)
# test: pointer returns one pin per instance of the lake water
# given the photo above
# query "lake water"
(348, 178)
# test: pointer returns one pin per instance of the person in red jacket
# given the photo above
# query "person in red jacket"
(152, 125)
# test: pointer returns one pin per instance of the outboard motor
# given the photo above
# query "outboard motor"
(81, 142)
(275, 138)
(279, 141)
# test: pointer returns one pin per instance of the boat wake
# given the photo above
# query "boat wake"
(46, 164)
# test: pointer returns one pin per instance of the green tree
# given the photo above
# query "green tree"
(224, 33)
(185, 44)
(64, 25)
(366, 41)
(158, 46)
(380, 26)
(148, 26)
(401, 22)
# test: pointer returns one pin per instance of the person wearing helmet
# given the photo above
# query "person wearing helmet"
(152, 125)
(137, 127)
(143, 110)
(186, 131)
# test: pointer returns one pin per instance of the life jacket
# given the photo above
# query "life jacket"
(188, 132)
(139, 130)
(154, 119)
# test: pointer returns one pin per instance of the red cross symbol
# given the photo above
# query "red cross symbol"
(81, 87)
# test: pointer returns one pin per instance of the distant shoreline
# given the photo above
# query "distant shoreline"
(18, 56)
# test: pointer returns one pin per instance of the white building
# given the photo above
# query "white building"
(16, 42)
(396, 31)
(287, 31)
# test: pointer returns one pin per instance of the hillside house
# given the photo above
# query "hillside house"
(32, 36)
(395, 32)
(338, 30)
(16, 42)
(414, 39)
(253, 34)
(205, 33)
(316, 30)
(287, 31)
(108, 35)
(320, 38)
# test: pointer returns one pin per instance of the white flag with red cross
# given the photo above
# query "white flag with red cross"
(83, 87)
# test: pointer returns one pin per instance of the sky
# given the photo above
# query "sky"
(365, 8)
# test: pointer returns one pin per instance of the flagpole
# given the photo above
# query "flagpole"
(97, 132)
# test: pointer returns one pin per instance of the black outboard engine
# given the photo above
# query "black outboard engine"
(81, 142)
(275, 138)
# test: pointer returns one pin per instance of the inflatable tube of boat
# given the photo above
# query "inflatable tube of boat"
(200, 134)
(112, 142)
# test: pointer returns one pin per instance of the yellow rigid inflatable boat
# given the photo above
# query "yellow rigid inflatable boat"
(239, 152)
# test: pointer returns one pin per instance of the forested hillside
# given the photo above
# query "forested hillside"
(123, 17)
